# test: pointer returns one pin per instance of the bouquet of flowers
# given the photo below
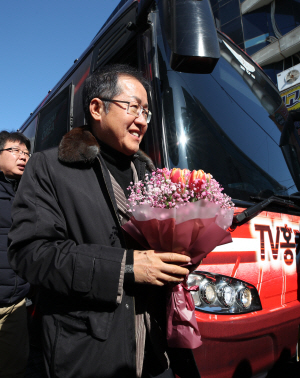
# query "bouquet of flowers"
(184, 212)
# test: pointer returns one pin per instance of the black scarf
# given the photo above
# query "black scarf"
(119, 166)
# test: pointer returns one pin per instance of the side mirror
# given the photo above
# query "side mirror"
(191, 34)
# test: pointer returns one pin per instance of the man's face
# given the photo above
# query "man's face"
(13, 165)
(121, 131)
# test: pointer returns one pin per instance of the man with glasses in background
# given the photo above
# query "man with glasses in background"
(14, 345)
(101, 296)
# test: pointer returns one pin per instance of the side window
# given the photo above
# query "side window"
(55, 120)
(115, 38)
(152, 143)
(30, 131)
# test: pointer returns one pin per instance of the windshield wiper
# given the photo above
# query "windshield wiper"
(254, 210)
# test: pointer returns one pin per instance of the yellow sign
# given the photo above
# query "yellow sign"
(291, 98)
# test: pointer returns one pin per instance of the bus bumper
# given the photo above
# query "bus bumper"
(245, 345)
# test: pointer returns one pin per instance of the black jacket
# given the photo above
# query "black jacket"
(66, 239)
(12, 288)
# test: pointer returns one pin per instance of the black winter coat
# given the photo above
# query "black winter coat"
(12, 288)
(66, 239)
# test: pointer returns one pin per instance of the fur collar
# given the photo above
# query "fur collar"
(79, 146)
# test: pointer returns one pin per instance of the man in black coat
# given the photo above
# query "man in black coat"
(100, 297)
(14, 154)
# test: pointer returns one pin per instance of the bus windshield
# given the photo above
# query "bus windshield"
(227, 123)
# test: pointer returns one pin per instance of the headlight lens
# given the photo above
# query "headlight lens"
(226, 295)
(223, 295)
(208, 292)
(244, 297)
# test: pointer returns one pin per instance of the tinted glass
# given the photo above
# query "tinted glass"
(229, 11)
(54, 121)
(271, 73)
(296, 11)
(234, 30)
(216, 13)
(257, 40)
(269, 22)
(253, 49)
(273, 69)
(227, 123)
(223, 2)
(255, 23)
(287, 29)
(284, 14)
(296, 59)
(30, 132)
(213, 3)
(288, 63)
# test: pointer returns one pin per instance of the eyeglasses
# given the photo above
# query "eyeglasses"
(133, 108)
(17, 152)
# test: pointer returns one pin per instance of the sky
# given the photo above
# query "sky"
(40, 39)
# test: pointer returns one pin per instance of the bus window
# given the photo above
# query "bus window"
(30, 131)
(115, 39)
(223, 123)
(55, 120)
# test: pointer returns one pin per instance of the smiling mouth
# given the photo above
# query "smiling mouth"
(135, 133)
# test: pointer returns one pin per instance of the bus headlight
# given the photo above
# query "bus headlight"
(207, 292)
(244, 297)
(226, 295)
(223, 295)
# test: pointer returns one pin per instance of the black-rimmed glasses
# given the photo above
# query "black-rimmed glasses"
(133, 108)
(17, 152)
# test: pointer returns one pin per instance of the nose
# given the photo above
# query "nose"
(140, 120)
(22, 157)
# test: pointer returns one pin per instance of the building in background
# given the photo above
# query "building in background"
(268, 30)
(288, 83)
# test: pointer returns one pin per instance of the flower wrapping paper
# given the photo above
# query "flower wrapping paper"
(194, 229)
(182, 328)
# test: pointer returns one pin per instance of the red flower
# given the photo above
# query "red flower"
(180, 176)
(197, 178)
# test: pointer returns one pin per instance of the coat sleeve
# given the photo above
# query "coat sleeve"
(41, 252)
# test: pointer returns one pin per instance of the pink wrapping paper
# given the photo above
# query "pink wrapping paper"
(183, 233)
(181, 322)
(195, 237)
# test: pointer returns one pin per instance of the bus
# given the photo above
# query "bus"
(213, 109)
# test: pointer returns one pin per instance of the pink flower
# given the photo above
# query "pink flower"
(169, 189)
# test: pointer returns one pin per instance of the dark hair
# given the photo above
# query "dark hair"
(14, 136)
(104, 83)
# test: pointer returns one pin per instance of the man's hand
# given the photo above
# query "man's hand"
(159, 268)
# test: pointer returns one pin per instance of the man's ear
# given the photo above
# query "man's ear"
(96, 109)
